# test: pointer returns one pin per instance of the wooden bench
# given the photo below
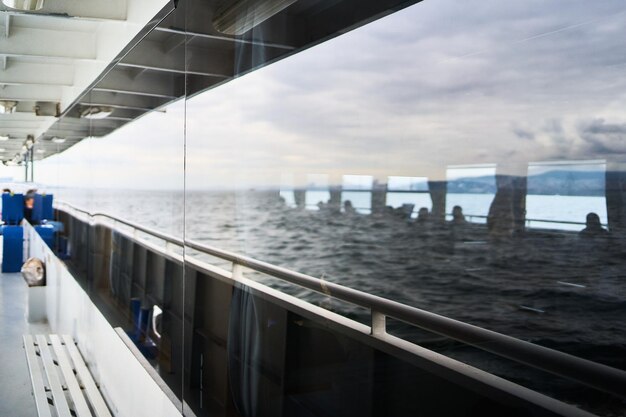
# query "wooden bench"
(60, 378)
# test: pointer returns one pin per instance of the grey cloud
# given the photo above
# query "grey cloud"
(604, 138)
(523, 134)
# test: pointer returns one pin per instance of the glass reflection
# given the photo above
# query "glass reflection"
(414, 148)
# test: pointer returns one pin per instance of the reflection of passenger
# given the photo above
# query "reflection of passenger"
(422, 216)
(594, 227)
(457, 216)
(500, 220)
(348, 208)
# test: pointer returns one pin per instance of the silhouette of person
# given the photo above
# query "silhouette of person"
(593, 227)
(458, 218)
(422, 216)
(348, 208)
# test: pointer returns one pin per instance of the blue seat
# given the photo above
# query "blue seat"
(47, 234)
(12, 249)
(12, 208)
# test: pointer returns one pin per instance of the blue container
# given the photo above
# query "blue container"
(36, 217)
(12, 208)
(12, 249)
(47, 212)
(47, 234)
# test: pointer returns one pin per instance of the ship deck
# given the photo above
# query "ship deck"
(15, 388)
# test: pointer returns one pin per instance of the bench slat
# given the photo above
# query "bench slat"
(80, 405)
(58, 396)
(36, 378)
(93, 394)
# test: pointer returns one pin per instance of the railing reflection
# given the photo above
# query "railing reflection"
(590, 373)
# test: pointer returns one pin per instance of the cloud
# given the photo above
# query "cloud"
(604, 138)
(439, 83)
(523, 134)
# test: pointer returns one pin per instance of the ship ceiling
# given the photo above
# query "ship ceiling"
(126, 58)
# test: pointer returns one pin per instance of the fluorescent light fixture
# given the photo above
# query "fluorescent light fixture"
(7, 107)
(2, 150)
(40, 151)
(96, 112)
(58, 140)
(4, 137)
(242, 15)
(26, 5)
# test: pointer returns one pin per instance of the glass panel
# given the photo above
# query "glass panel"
(399, 155)
(472, 189)
(565, 192)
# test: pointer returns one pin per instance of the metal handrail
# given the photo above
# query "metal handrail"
(482, 216)
(589, 373)
(527, 220)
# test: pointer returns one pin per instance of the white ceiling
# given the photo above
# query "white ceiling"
(48, 58)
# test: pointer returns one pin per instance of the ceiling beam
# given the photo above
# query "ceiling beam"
(149, 83)
(157, 56)
(83, 9)
(31, 93)
(7, 25)
(111, 99)
(47, 43)
(120, 106)
(224, 38)
(31, 73)
(133, 92)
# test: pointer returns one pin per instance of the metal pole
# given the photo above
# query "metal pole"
(32, 164)
(26, 169)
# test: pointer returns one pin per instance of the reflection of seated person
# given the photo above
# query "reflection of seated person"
(458, 218)
(593, 227)
(422, 216)
(348, 208)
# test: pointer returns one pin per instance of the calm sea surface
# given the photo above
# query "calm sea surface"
(554, 289)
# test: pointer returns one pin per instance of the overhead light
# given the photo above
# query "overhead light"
(7, 107)
(40, 151)
(241, 16)
(96, 112)
(2, 150)
(26, 5)
(58, 140)
(3, 138)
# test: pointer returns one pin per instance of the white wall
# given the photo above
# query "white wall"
(126, 385)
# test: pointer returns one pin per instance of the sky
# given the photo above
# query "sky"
(438, 84)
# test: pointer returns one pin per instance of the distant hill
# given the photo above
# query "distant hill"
(581, 183)
(473, 185)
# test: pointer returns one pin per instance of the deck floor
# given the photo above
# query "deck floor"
(16, 399)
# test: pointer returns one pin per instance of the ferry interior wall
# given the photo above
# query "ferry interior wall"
(344, 208)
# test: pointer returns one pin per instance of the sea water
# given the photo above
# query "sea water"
(552, 289)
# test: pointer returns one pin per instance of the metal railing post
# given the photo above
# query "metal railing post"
(237, 271)
(379, 323)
